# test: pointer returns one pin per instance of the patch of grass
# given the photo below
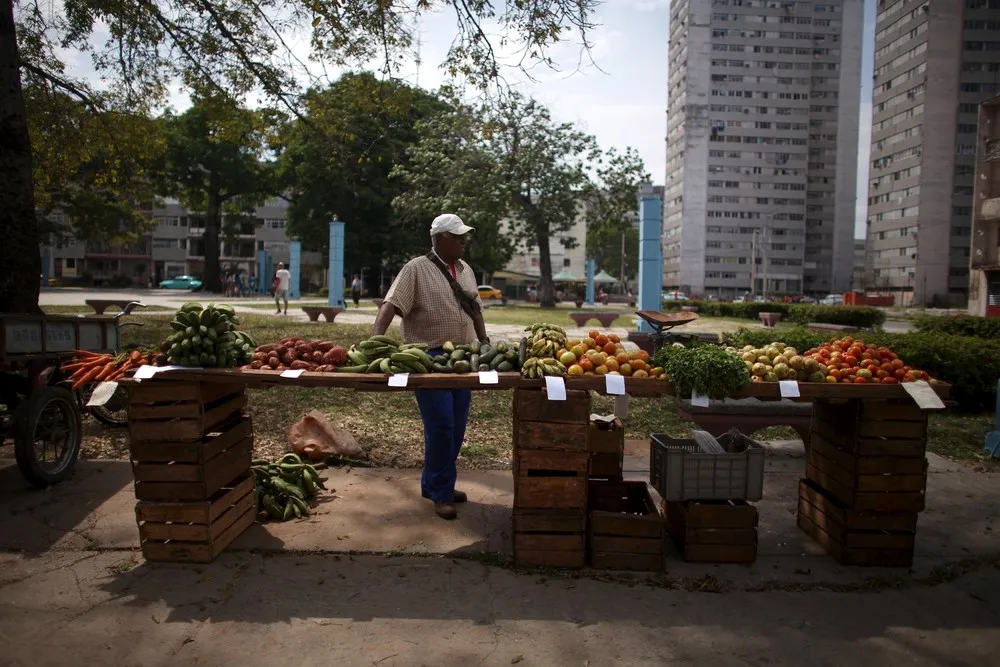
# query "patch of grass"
(524, 315)
(87, 310)
(962, 437)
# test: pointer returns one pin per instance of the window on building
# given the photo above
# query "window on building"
(274, 223)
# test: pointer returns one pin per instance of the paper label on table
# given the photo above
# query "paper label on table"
(146, 372)
(102, 394)
(399, 379)
(555, 388)
(292, 373)
(789, 388)
(699, 400)
(614, 385)
(923, 395)
(489, 377)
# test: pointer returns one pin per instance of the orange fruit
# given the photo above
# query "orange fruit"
(601, 340)
(642, 354)
(638, 365)
(656, 372)
(614, 338)
(640, 374)
(593, 333)
(609, 348)
(575, 369)
(612, 364)
(622, 358)
(601, 370)
(578, 350)
(625, 369)
(590, 343)
(587, 365)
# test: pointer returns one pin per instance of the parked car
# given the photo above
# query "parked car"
(673, 296)
(488, 292)
(833, 300)
(181, 282)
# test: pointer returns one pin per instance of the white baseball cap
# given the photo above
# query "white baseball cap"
(449, 222)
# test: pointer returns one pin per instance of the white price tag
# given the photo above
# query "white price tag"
(923, 395)
(555, 388)
(699, 400)
(292, 373)
(146, 372)
(399, 379)
(489, 377)
(102, 394)
(614, 385)
(789, 388)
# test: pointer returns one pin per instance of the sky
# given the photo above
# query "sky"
(620, 97)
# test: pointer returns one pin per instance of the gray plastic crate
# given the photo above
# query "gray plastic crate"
(680, 470)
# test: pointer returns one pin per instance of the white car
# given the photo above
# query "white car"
(833, 300)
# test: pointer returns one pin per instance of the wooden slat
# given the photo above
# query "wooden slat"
(530, 558)
(860, 557)
(605, 466)
(548, 542)
(723, 514)
(204, 512)
(900, 430)
(892, 410)
(218, 472)
(550, 492)
(542, 435)
(549, 521)
(855, 520)
(192, 452)
(733, 536)
(605, 441)
(632, 545)
(633, 386)
(531, 405)
(535, 461)
(197, 552)
(140, 393)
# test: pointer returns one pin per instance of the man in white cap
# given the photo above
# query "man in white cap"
(437, 298)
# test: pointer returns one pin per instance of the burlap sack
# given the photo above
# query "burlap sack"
(315, 437)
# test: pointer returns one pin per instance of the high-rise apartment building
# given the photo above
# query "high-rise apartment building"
(762, 135)
(935, 61)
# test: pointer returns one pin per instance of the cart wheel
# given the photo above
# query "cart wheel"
(113, 413)
(48, 436)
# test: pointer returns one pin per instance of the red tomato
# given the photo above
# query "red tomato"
(860, 380)
(889, 381)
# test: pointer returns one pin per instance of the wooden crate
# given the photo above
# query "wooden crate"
(856, 537)
(875, 483)
(549, 537)
(713, 531)
(188, 471)
(550, 435)
(871, 427)
(181, 411)
(607, 450)
(550, 480)
(196, 532)
(626, 529)
(532, 405)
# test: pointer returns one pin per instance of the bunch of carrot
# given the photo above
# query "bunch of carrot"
(94, 367)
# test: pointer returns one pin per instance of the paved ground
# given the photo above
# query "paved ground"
(74, 589)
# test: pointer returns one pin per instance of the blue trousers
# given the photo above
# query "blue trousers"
(445, 413)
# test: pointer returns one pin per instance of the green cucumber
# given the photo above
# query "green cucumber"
(462, 366)
(458, 355)
(474, 360)
(505, 367)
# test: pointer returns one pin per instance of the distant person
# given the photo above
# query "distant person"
(281, 278)
(356, 289)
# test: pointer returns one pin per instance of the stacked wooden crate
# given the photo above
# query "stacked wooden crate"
(626, 529)
(551, 461)
(191, 448)
(606, 444)
(866, 475)
(705, 496)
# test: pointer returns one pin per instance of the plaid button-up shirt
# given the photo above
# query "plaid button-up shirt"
(431, 313)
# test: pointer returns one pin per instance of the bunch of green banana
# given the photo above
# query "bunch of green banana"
(545, 340)
(283, 486)
(208, 337)
(536, 368)
(381, 354)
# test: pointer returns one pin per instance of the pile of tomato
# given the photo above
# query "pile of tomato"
(852, 361)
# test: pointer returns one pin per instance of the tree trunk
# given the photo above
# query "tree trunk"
(19, 257)
(546, 288)
(211, 281)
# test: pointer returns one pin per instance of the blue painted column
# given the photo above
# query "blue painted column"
(591, 269)
(335, 280)
(295, 269)
(263, 275)
(650, 255)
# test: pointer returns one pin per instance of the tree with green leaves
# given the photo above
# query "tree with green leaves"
(230, 47)
(452, 170)
(336, 161)
(611, 233)
(216, 165)
(514, 163)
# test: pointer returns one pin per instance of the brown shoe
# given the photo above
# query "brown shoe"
(459, 497)
(446, 511)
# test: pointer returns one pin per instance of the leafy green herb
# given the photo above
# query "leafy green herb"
(710, 370)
